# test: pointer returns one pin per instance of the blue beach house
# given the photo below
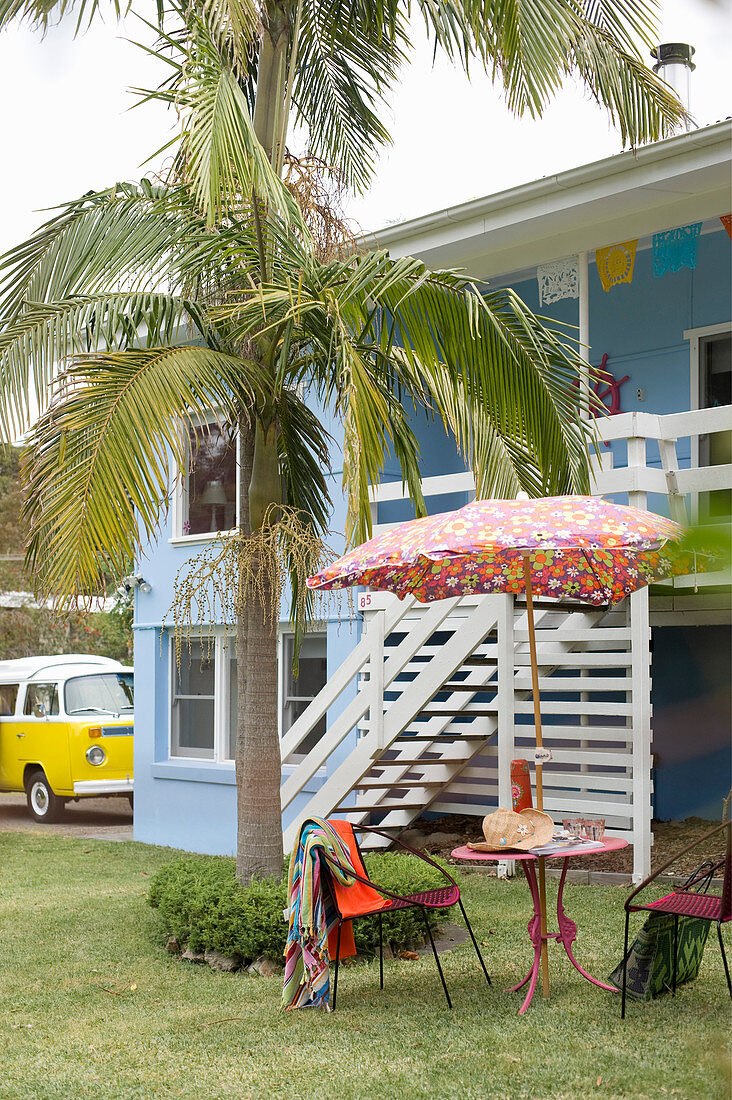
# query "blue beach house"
(400, 708)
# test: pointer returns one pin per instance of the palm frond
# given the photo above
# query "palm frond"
(533, 45)
(347, 59)
(374, 332)
(629, 22)
(123, 238)
(36, 345)
(641, 105)
(42, 14)
(223, 160)
(304, 456)
(508, 368)
(103, 458)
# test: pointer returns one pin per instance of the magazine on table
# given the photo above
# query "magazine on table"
(565, 842)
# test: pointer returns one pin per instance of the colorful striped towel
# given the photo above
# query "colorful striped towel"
(312, 915)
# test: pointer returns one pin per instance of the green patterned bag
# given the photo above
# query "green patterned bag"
(651, 956)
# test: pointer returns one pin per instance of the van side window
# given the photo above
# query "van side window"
(8, 696)
(45, 695)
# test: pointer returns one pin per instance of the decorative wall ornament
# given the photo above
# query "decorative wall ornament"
(606, 388)
(615, 264)
(557, 280)
(676, 248)
(726, 220)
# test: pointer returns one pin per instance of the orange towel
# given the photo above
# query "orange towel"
(353, 900)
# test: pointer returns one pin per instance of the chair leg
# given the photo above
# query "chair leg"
(337, 960)
(676, 949)
(625, 965)
(724, 957)
(434, 952)
(475, 942)
(381, 954)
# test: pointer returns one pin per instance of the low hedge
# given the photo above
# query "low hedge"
(201, 903)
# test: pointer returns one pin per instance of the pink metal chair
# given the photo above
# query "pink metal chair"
(686, 902)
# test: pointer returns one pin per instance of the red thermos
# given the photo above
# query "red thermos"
(520, 785)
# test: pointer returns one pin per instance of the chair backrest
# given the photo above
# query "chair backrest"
(359, 897)
(726, 896)
(727, 880)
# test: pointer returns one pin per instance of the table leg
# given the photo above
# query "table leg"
(534, 928)
(567, 934)
(542, 912)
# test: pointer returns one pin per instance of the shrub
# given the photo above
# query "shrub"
(201, 903)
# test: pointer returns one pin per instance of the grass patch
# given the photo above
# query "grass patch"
(91, 1005)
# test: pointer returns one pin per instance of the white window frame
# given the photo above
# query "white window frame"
(178, 538)
(695, 337)
(282, 682)
(224, 647)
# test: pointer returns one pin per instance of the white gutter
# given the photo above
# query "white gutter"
(655, 154)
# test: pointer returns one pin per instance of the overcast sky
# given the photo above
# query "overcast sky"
(66, 126)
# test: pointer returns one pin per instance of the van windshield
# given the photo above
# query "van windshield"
(100, 693)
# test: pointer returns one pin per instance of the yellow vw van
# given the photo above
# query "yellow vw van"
(66, 730)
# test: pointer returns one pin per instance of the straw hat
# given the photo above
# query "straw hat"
(506, 829)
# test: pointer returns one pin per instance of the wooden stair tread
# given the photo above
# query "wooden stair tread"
(462, 686)
(441, 738)
(396, 785)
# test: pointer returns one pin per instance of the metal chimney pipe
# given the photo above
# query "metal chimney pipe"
(674, 65)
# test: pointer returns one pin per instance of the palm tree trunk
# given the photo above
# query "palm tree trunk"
(270, 99)
(258, 770)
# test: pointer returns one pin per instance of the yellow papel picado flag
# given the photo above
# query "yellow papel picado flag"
(615, 264)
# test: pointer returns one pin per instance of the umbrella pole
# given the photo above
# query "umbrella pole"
(539, 780)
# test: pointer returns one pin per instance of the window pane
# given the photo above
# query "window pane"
(110, 691)
(41, 695)
(197, 669)
(311, 678)
(8, 695)
(193, 721)
(193, 703)
(716, 448)
(210, 497)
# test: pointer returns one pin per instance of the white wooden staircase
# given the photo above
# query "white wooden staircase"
(443, 704)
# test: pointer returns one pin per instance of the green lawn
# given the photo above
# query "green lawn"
(91, 1005)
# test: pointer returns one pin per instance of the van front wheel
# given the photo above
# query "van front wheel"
(43, 804)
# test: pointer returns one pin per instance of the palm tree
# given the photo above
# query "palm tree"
(107, 285)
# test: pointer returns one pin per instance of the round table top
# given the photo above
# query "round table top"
(608, 844)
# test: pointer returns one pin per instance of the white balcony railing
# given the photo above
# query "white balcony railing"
(641, 461)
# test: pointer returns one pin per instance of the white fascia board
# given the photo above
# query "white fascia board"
(633, 194)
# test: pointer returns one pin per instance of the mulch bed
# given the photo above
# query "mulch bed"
(669, 837)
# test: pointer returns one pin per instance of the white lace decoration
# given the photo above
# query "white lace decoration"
(557, 280)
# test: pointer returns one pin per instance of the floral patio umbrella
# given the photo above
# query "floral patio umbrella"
(582, 547)
(585, 548)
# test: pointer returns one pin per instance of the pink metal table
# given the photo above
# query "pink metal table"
(567, 928)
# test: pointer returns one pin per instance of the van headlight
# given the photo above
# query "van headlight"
(96, 755)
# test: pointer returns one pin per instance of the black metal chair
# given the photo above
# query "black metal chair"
(687, 902)
(442, 897)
